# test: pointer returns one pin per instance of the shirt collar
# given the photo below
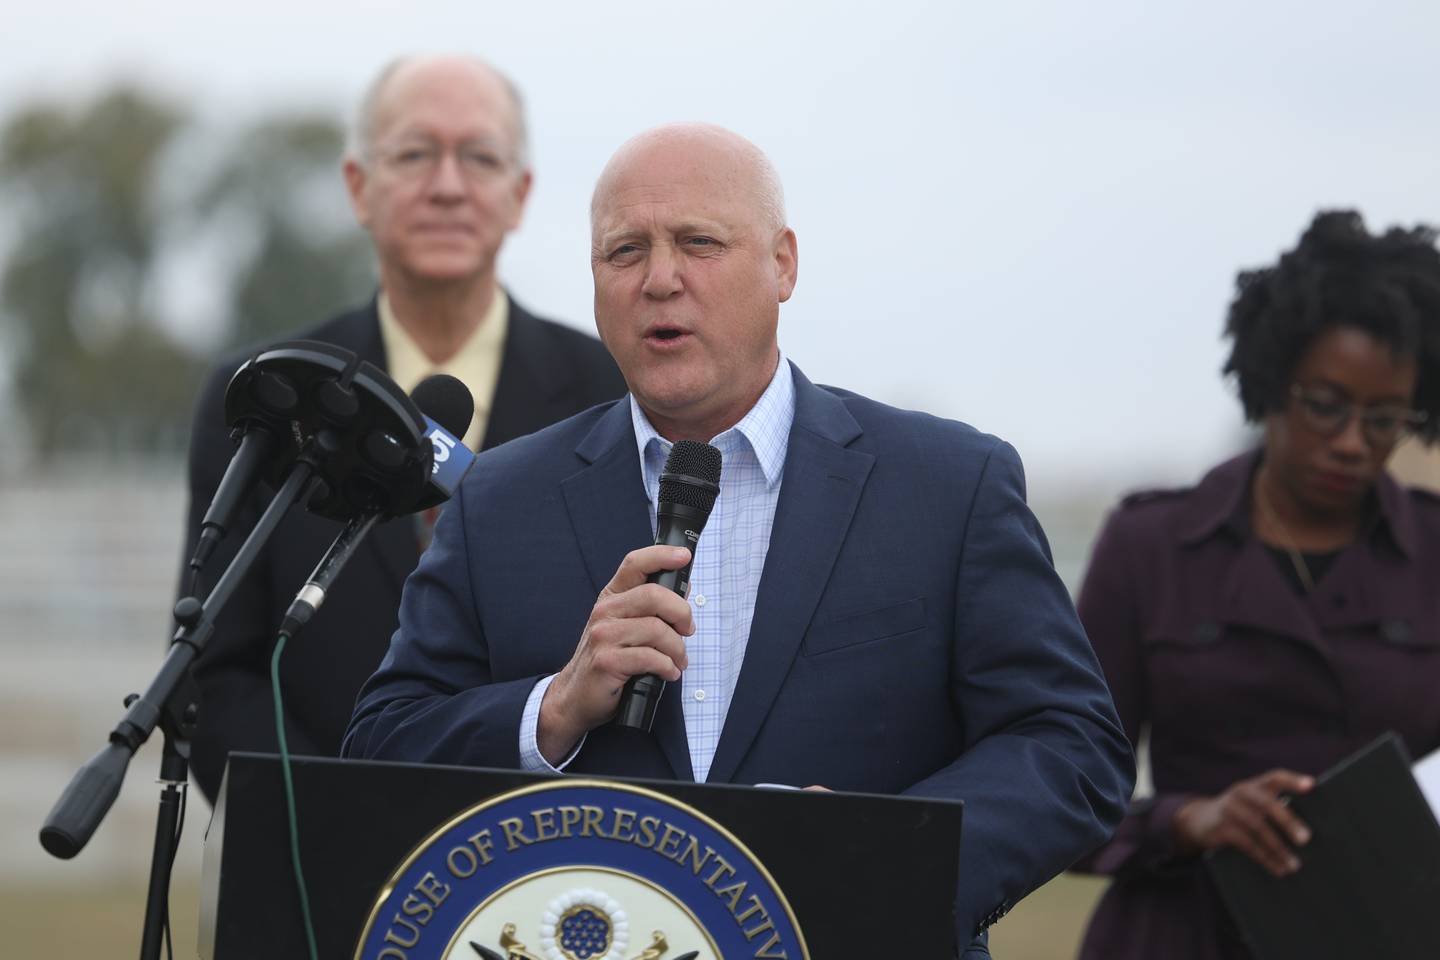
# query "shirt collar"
(1222, 502)
(765, 428)
(407, 364)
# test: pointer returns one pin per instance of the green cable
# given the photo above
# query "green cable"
(280, 642)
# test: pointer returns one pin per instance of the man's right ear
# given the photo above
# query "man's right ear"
(355, 186)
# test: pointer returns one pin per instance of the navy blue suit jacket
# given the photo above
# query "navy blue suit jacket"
(910, 633)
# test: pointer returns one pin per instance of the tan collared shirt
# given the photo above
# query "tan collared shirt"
(476, 364)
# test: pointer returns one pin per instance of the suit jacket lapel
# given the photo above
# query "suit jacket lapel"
(528, 382)
(822, 486)
(611, 516)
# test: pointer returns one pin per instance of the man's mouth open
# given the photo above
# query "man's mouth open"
(662, 337)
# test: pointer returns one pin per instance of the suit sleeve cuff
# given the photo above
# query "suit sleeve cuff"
(531, 759)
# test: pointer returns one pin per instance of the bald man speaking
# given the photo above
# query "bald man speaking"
(872, 606)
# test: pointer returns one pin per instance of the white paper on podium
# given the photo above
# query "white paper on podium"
(1427, 774)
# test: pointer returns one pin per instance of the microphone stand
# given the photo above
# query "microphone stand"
(170, 704)
(174, 778)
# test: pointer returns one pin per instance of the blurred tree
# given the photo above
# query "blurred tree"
(309, 259)
(74, 292)
(95, 207)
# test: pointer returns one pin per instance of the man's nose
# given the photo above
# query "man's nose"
(448, 180)
(662, 273)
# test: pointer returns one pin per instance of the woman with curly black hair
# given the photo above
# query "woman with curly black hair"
(1279, 615)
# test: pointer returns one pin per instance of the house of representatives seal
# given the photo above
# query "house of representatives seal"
(581, 870)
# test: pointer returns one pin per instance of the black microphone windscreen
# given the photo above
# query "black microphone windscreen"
(692, 475)
(447, 401)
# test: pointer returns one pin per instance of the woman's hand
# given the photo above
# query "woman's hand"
(1250, 816)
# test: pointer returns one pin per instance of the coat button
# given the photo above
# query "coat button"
(1206, 632)
(1395, 631)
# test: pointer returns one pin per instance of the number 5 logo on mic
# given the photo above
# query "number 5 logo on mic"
(443, 444)
(452, 458)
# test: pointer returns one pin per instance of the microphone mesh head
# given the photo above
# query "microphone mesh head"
(447, 401)
(692, 476)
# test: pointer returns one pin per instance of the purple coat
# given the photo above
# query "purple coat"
(1208, 647)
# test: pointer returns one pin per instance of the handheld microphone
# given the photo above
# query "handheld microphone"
(688, 488)
(447, 407)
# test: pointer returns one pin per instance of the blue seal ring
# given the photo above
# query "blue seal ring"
(577, 824)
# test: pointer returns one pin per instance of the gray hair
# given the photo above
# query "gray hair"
(360, 138)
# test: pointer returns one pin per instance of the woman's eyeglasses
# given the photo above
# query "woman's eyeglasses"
(1325, 413)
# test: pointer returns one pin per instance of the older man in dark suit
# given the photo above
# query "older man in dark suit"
(438, 174)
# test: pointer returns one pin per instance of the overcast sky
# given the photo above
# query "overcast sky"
(1026, 215)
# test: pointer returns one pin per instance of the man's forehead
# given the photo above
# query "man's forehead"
(659, 181)
(670, 205)
(678, 163)
(445, 94)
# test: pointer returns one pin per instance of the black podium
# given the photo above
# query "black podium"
(862, 874)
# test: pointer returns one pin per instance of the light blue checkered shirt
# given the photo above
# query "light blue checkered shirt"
(725, 576)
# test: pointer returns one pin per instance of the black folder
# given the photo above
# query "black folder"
(1369, 882)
